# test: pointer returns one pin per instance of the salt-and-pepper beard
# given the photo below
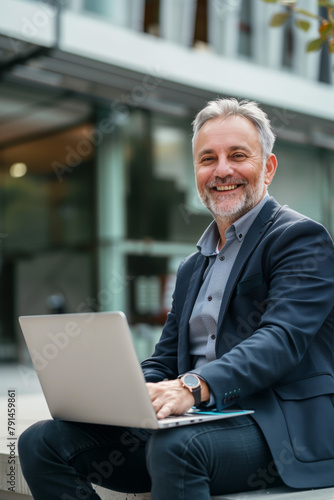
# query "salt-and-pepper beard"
(250, 197)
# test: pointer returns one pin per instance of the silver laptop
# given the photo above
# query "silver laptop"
(89, 371)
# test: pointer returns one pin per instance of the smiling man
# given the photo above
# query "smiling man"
(251, 326)
(232, 173)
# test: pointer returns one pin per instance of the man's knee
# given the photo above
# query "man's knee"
(29, 438)
(34, 443)
(164, 451)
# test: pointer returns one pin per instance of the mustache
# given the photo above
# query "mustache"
(226, 180)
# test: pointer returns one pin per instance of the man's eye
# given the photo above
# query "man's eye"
(239, 156)
(207, 159)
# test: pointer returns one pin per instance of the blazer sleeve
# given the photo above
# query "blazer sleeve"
(164, 362)
(298, 264)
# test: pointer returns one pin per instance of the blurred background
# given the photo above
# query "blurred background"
(98, 203)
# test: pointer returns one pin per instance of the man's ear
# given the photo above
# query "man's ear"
(270, 169)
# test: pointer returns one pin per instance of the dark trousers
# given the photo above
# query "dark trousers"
(61, 459)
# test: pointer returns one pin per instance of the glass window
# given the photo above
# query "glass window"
(51, 203)
(127, 13)
(201, 22)
(162, 198)
(288, 44)
(47, 229)
(151, 17)
(161, 208)
(300, 180)
(245, 45)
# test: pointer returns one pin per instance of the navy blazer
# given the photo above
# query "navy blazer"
(275, 341)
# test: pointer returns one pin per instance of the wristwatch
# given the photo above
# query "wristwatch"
(192, 382)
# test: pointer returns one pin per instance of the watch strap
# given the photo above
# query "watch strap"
(197, 395)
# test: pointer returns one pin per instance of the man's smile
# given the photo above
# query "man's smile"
(226, 188)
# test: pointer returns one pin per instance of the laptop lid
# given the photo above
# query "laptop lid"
(89, 371)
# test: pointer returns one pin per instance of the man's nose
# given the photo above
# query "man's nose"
(223, 167)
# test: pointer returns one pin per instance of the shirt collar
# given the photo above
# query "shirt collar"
(207, 244)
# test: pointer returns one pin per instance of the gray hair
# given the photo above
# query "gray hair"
(247, 109)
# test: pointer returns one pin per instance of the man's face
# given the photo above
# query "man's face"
(230, 173)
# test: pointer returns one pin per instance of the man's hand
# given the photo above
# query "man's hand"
(171, 398)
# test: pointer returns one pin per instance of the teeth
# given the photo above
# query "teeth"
(226, 188)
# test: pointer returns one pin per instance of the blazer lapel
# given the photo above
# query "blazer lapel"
(254, 235)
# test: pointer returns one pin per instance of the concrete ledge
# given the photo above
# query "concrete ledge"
(22, 491)
(270, 494)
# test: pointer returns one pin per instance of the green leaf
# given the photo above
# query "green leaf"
(270, 1)
(306, 13)
(303, 25)
(315, 44)
(279, 19)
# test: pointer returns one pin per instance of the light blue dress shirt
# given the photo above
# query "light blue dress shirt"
(204, 317)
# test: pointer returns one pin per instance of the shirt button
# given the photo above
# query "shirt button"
(240, 235)
(222, 257)
(213, 336)
(209, 298)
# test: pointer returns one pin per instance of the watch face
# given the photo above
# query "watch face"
(190, 380)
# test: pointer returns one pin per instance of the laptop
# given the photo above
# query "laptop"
(89, 372)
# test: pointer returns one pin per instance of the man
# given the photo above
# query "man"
(251, 322)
